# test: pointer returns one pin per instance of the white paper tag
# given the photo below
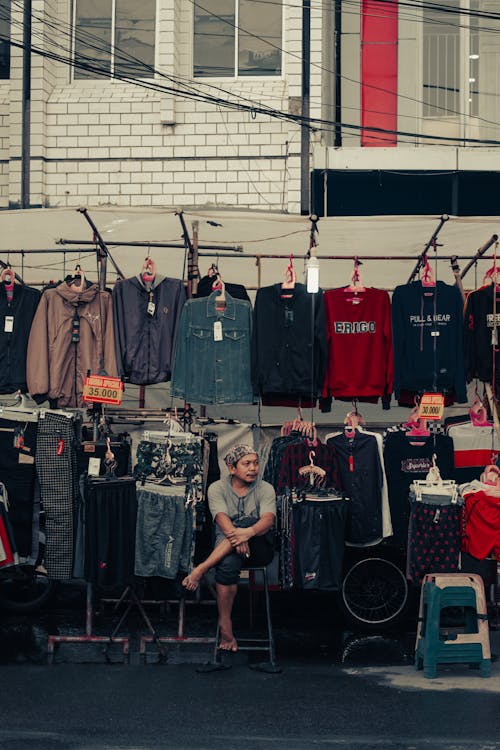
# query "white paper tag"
(217, 331)
(94, 466)
(151, 309)
(25, 459)
(9, 324)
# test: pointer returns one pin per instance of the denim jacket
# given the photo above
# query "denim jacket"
(212, 363)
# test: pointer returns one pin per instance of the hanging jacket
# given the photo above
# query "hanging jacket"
(16, 318)
(145, 341)
(212, 353)
(289, 346)
(478, 334)
(57, 363)
(427, 326)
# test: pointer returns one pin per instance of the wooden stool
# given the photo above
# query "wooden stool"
(473, 646)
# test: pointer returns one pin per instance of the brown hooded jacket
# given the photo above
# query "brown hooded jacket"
(56, 365)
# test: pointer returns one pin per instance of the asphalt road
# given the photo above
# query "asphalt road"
(307, 706)
(351, 692)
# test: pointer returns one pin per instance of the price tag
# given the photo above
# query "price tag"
(151, 309)
(431, 406)
(9, 324)
(217, 331)
(102, 390)
(94, 467)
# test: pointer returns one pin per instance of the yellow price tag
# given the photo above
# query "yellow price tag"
(431, 406)
(102, 390)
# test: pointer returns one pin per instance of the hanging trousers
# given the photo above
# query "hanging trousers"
(56, 468)
(110, 522)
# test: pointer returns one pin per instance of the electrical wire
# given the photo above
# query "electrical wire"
(258, 107)
(196, 3)
(99, 48)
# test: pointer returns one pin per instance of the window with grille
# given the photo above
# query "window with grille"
(441, 60)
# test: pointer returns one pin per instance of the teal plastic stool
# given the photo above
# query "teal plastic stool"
(471, 647)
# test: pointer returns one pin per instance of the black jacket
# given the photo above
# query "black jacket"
(479, 327)
(14, 344)
(145, 342)
(237, 291)
(289, 346)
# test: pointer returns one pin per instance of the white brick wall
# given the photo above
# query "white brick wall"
(106, 142)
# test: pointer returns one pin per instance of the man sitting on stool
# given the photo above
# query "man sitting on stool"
(244, 510)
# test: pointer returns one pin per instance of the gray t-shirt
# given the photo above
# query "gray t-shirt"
(260, 499)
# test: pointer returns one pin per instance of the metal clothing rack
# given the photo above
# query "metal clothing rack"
(181, 638)
(89, 636)
(194, 251)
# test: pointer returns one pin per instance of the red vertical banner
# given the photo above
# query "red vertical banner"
(379, 72)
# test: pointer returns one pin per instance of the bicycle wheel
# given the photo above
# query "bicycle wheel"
(374, 593)
(25, 590)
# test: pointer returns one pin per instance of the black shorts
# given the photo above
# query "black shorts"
(228, 570)
(319, 541)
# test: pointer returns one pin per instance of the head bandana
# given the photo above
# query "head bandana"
(237, 452)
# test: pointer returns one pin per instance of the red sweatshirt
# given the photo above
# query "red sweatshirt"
(360, 358)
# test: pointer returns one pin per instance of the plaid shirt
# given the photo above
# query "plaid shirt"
(297, 455)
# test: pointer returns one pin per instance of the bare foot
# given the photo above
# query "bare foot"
(192, 581)
(227, 640)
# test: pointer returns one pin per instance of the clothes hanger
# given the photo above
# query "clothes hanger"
(148, 270)
(491, 476)
(427, 277)
(21, 410)
(356, 285)
(76, 280)
(492, 276)
(218, 285)
(315, 473)
(213, 270)
(478, 414)
(352, 420)
(289, 425)
(420, 429)
(412, 420)
(290, 279)
(434, 484)
(8, 277)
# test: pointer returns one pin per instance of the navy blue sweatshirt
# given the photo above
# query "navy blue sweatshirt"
(427, 325)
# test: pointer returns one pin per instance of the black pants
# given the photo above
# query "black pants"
(110, 522)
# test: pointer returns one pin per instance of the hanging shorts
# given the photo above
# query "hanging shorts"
(433, 540)
(319, 543)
